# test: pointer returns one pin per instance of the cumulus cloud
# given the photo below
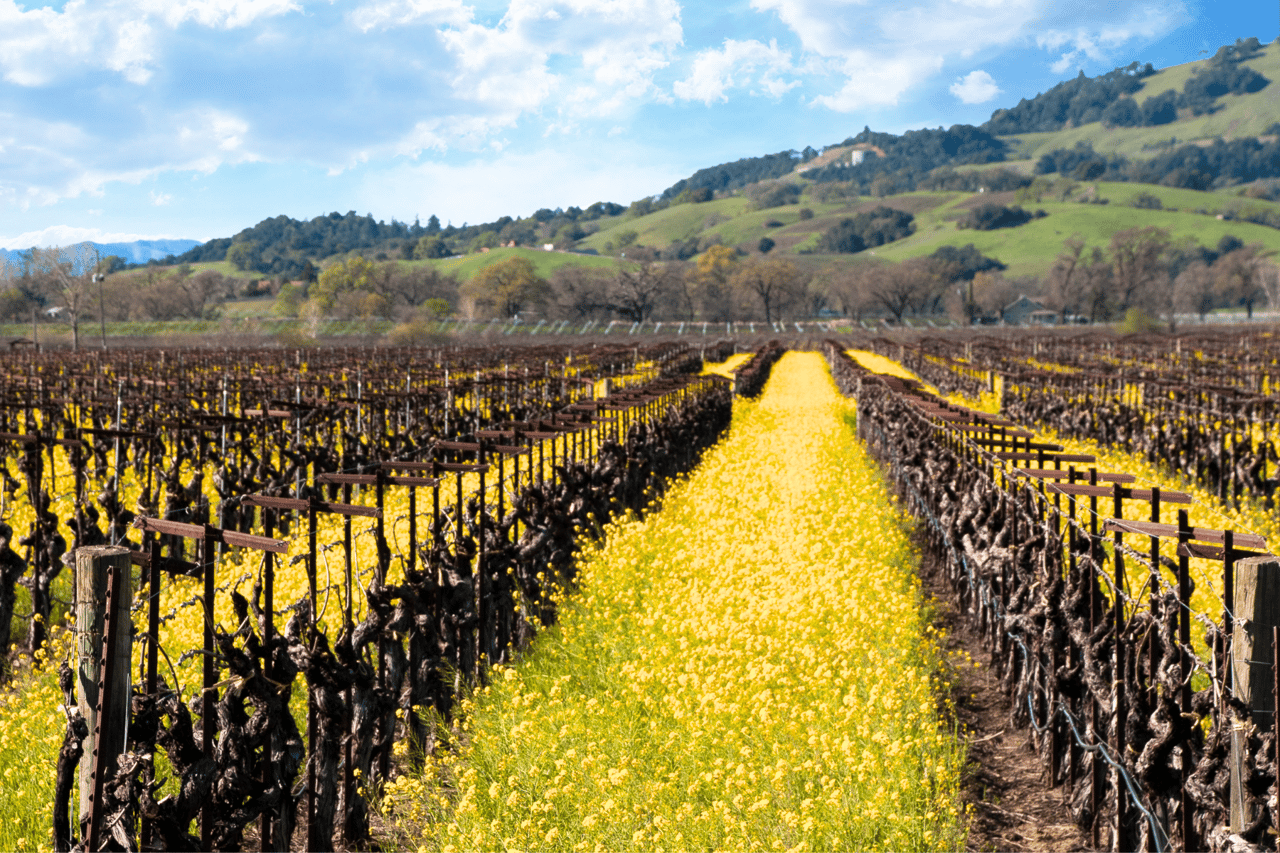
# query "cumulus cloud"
(883, 51)
(976, 87)
(736, 64)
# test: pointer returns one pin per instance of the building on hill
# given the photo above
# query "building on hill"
(1025, 311)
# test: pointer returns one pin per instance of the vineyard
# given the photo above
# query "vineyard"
(633, 596)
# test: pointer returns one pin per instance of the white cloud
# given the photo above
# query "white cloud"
(44, 45)
(101, 92)
(881, 51)
(618, 44)
(872, 80)
(66, 235)
(976, 87)
(160, 199)
(735, 66)
(398, 13)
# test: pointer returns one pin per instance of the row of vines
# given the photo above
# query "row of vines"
(1109, 613)
(330, 547)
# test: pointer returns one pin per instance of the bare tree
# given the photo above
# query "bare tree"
(1196, 289)
(1067, 279)
(580, 293)
(1270, 276)
(1240, 276)
(200, 289)
(1097, 286)
(843, 285)
(413, 286)
(1138, 264)
(14, 302)
(774, 283)
(637, 289)
(899, 287)
(992, 293)
(70, 268)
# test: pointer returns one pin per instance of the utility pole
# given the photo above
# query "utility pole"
(102, 314)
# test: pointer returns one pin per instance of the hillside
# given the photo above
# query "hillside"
(1240, 115)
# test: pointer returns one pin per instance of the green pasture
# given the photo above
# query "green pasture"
(544, 263)
(663, 227)
(1031, 249)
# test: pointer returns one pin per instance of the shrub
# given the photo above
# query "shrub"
(1146, 201)
(988, 217)
(869, 228)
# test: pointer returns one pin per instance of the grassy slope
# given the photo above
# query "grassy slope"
(544, 263)
(661, 228)
(1030, 249)
(1240, 115)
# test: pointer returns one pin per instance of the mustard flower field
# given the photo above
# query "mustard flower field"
(750, 667)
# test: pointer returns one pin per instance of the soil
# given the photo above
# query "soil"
(1005, 784)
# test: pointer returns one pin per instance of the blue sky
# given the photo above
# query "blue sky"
(128, 119)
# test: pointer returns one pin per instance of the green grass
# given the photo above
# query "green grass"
(544, 263)
(258, 306)
(660, 228)
(1031, 249)
(225, 268)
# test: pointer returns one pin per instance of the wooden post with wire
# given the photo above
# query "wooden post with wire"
(1257, 612)
(103, 596)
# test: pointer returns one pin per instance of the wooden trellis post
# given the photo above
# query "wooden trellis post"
(102, 684)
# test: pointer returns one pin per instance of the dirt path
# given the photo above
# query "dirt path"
(1005, 783)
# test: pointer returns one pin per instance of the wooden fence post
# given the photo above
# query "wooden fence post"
(93, 563)
(1257, 611)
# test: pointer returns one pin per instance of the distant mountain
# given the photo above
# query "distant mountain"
(137, 252)
(141, 251)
